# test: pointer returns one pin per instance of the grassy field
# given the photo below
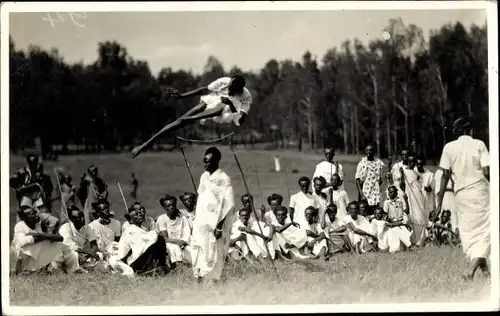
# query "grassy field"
(425, 275)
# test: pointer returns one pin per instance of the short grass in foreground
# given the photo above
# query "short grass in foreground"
(430, 274)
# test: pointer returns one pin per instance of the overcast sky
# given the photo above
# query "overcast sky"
(247, 39)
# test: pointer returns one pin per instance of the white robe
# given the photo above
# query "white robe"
(135, 239)
(390, 237)
(418, 217)
(466, 157)
(176, 229)
(293, 236)
(361, 223)
(254, 244)
(326, 169)
(26, 255)
(215, 203)
(427, 179)
(105, 234)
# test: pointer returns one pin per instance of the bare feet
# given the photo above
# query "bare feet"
(136, 151)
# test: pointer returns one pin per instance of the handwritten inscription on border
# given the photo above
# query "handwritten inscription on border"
(62, 17)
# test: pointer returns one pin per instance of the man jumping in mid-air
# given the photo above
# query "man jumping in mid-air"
(225, 100)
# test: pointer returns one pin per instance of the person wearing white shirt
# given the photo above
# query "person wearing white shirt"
(33, 248)
(316, 238)
(226, 101)
(335, 231)
(338, 196)
(107, 230)
(175, 229)
(189, 211)
(139, 251)
(274, 200)
(328, 167)
(300, 201)
(79, 237)
(320, 196)
(466, 161)
(360, 231)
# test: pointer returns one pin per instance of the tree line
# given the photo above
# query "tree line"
(392, 92)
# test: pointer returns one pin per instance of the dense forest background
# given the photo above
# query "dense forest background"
(390, 93)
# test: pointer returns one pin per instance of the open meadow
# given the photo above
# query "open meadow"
(425, 275)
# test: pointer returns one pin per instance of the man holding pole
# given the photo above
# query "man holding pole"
(214, 219)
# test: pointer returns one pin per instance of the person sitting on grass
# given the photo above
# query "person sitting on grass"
(443, 230)
(248, 202)
(175, 229)
(246, 238)
(359, 230)
(316, 245)
(274, 200)
(80, 238)
(148, 224)
(335, 231)
(289, 236)
(390, 235)
(397, 210)
(189, 212)
(363, 209)
(34, 249)
(107, 230)
(140, 252)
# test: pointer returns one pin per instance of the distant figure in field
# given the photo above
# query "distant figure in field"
(466, 160)
(226, 101)
(369, 178)
(135, 186)
(329, 167)
(214, 218)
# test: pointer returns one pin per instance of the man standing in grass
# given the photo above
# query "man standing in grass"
(327, 168)
(369, 178)
(466, 161)
(214, 219)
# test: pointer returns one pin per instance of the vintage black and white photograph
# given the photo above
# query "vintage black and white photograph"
(249, 153)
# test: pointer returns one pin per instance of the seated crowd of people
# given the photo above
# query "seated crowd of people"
(316, 224)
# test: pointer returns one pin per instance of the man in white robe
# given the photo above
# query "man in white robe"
(214, 218)
(274, 200)
(316, 237)
(466, 161)
(290, 237)
(390, 235)
(33, 248)
(139, 251)
(418, 216)
(175, 229)
(246, 238)
(360, 231)
(328, 167)
(321, 197)
(427, 183)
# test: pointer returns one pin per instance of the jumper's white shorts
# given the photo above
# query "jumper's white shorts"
(227, 117)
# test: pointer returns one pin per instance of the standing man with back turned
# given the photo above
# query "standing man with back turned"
(466, 161)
